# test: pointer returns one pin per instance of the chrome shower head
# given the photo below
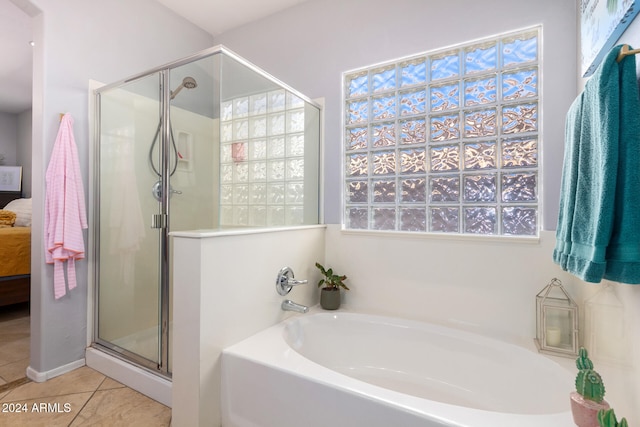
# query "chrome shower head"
(188, 82)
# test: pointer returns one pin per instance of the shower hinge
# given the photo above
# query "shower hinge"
(159, 221)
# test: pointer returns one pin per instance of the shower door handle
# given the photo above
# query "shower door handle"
(159, 221)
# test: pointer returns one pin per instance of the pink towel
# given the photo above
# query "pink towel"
(65, 214)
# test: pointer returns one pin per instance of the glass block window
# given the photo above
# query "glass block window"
(446, 141)
(262, 159)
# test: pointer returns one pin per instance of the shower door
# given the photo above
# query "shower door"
(129, 268)
(157, 172)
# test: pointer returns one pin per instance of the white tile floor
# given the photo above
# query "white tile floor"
(14, 342)
(83, 397)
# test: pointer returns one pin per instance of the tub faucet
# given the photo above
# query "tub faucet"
(288, 305)
(284, 283)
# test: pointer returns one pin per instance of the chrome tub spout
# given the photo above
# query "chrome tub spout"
(288, 305)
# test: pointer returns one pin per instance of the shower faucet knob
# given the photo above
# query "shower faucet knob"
(156, 191)
(285, 281)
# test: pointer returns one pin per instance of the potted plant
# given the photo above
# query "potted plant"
(607, 418)
(330, 293)
(588, 398)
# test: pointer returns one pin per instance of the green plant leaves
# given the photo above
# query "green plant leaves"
(331, 280)
(607, 418)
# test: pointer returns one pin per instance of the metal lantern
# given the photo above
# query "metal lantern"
(557, 321)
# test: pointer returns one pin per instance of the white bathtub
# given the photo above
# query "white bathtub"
(350, 370)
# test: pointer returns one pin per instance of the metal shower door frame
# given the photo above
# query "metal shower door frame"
(161, 367)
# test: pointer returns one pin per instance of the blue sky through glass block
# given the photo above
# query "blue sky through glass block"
(448, 66)
(445, 97)
(384, 80)
(414, 73)
(384, 107)
(481, 59)
(412, 103)
(358, 112)
(519, 51)
(519, 84)
(358, 86)
(481, 91)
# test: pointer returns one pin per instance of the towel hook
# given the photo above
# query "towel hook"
(625, 51)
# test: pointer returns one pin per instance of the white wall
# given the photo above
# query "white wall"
(224, 291)
(79, 40)
(8, 138)
(23, 150)
(421, 278)
(15, 144)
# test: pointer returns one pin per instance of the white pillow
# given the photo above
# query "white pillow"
(22, 208)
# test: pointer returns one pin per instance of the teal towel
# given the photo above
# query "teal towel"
(598, 233)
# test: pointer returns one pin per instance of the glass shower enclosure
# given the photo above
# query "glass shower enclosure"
(207, 142)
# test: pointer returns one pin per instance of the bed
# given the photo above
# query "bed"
(15, 250)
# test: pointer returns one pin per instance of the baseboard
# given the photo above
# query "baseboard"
(41, 377)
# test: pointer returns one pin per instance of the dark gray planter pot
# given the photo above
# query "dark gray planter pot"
(330, 298)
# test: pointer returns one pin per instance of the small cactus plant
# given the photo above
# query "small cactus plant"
(583, 361)
(588, 382)
(607, 418)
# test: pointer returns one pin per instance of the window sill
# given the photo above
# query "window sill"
(444, 236)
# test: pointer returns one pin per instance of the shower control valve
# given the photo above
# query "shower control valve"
(156, 190)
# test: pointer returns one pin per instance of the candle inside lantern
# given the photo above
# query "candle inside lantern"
(553, 337)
